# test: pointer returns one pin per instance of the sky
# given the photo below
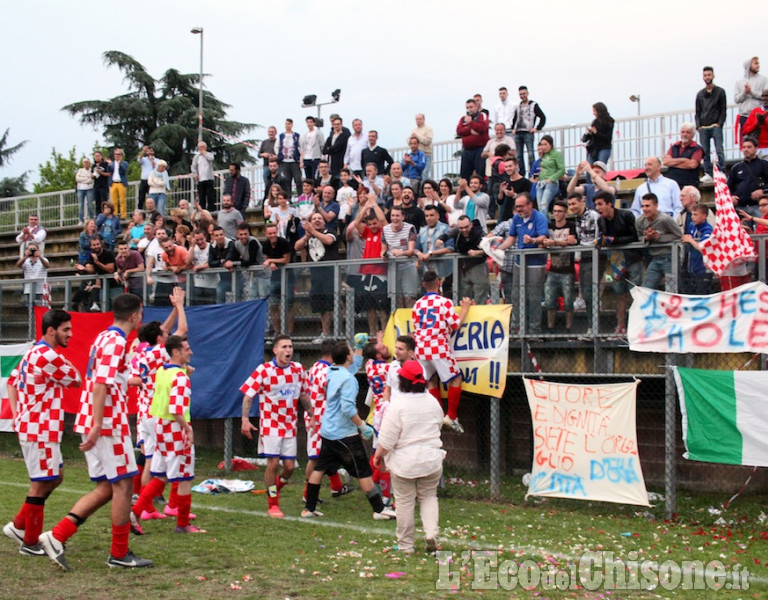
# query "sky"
(390, 60)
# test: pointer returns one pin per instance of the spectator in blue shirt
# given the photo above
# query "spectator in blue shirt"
(529, 228)
(414, 163)
(697, 279)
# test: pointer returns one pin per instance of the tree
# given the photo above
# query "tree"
(13, 186)
(58, 173)
(163, 114)
(7, 153)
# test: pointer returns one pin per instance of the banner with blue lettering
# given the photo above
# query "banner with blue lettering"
(732, 321)
(585, 442)
(227, 342)
(480, 346)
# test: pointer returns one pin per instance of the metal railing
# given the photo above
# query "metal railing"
(635, 138)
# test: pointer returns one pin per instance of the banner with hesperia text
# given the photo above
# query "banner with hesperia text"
(732, 321)
(585, 442)
(480, 346)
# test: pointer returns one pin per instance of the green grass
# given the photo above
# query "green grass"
(348, 555)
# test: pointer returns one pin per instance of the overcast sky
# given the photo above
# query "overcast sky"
(390, 60)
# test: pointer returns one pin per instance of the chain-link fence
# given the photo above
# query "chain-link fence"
(551, 338)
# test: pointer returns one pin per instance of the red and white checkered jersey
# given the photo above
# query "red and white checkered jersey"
(107, 364)
(279, 389)
(145, 365)
(317, 380)
(376, 371)
(434, 320)
(42, 376)
(170, 434)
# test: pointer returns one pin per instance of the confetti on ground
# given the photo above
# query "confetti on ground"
(395, 574)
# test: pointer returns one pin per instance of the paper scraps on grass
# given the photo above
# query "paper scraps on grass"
(395, 574)
(218, 486)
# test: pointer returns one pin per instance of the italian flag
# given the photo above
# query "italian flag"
(725, 415)
(10, 355)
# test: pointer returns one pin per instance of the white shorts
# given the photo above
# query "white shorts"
(43, 460)
(147, 435)
(112, 458)
(174, 467)
(446, 368)
(271, 446)
(314, 443)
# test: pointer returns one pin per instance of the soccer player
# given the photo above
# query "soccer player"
(340, 431)
(143, 371)
(434, 321)
(39, 421)
(318, 378)
(281, 384)
(174, 456)
(405, 349)
(376, 356)
(103, 424)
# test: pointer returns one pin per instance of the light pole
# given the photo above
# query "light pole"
(636, 98)
(311, 100)
(199, 30)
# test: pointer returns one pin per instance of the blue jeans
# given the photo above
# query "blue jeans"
(427, 172)
(160, 200)
(545, 193)
(86, 198)
(523, 140)
(558, 284)
(603, 155)
(706, 135)
(310, 167)
(655, 272)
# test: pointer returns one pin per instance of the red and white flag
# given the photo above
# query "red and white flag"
(729, 244)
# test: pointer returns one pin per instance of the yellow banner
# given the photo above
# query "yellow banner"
(480, 346)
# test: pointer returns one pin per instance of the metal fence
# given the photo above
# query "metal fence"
(498, 444)
(635, 138)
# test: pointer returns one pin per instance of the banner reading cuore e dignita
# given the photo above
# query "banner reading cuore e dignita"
(480, 346)
(585, 442)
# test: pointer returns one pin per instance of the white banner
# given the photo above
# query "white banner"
(584, 442)
(732, 321)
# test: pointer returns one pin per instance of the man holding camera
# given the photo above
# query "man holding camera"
(34, 266)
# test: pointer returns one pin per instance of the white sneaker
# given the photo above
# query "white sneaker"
(95, 307)
(54, 549)
(310, 514)
(11, 532)
(385, 515)
(706, 179)
(452, 424)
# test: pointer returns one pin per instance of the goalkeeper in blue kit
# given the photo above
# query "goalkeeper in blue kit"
(341, 432)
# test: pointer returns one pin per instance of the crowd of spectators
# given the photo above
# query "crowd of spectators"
(345, 191)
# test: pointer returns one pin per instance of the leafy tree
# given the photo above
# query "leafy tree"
(7, 153)
(13, 186)
(163, 114)
(58, 173)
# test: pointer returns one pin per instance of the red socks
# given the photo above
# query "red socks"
(145, 502)
(173, 499)
(66, 528)
(436, 394)
(120, 535)
(34, 525)
(273, 498)
(184, 504)
(454, 397)
(20, 520)
(137, 480)
(335, 481)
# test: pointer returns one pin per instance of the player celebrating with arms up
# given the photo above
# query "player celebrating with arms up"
(434, 321)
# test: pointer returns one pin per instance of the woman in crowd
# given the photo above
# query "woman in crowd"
(599, 135)
(84, 243)
(448, 200)
(182, 235)
(85, 193)
(109, 226)
(409, 443)
(431, 195)
(270, 203)
(159, 185)
(552, 169)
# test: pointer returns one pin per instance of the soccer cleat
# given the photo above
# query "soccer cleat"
(453, 424)
(13, 533)
(310, 514)
(174, 512)
(275, 512)
(385, 515)
(129, 561)
(431, 546)
(190, 529)
(136, 528)
(35, 550)
(54, 549)
(147, 516)
(345, 489)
